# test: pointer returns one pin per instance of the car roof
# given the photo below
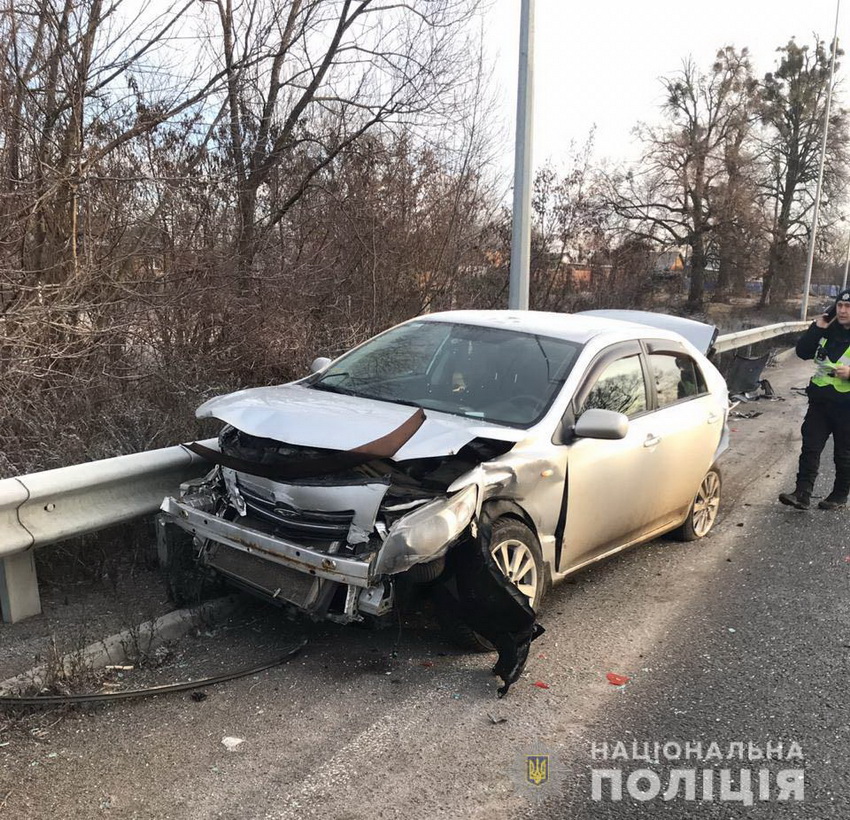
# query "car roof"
(570, 326)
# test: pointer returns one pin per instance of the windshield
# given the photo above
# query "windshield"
(500, 376)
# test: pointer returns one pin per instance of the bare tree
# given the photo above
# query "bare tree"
(307, 78)
(671, 194)
(793, 103)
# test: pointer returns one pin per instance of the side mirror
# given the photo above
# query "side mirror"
(605, 424)
(319, 364)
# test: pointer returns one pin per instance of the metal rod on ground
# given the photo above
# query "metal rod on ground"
(804, 309)
(521, 232)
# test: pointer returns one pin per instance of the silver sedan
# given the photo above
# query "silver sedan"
(453, 448)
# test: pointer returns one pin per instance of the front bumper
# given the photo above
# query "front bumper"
(352, 571)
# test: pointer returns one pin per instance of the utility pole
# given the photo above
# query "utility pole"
(521, 232)
(804, 309)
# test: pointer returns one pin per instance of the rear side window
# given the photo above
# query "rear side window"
(676, 376)
(620, 387)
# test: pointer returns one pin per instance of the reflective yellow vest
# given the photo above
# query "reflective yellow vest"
(822, 377)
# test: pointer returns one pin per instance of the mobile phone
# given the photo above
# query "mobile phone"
(829, 313)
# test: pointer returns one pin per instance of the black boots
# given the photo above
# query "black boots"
(798, 499)
(834, 501)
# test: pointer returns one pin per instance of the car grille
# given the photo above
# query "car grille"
(267, 576)
(330, 526)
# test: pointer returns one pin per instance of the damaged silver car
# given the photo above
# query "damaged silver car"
(481, 455)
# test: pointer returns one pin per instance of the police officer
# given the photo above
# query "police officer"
(827, 341)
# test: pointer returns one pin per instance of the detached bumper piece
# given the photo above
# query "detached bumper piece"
(491, 605)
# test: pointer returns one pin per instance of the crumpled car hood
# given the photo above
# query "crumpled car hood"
(299, 415)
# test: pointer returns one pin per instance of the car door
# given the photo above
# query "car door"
(611, 484)
(688, 422)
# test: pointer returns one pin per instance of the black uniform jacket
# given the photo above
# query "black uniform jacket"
(837, 342)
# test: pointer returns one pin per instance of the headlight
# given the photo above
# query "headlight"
(425, 534)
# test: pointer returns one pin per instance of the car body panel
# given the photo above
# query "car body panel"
(611, 489)
(683, 455)
(299, 415)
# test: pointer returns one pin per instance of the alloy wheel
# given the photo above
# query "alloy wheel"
(516, 561)
(706, 504)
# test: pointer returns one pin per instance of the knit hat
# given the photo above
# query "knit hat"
(844, 296)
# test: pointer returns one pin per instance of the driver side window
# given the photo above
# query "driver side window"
(620, 387)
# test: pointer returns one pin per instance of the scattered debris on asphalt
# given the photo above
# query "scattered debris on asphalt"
(102, 697)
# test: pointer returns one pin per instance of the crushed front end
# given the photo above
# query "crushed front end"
(326, 532)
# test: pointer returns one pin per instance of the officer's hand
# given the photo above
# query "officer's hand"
(842, 371)
(823, 321)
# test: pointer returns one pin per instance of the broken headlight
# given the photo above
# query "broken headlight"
(426, 534)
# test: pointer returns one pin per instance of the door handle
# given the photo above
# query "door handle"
(651, 441)
(713, 417)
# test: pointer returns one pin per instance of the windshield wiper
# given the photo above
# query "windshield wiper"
(332, 388)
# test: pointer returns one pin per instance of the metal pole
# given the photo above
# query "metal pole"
(521, 233)
(846, 264)
(804, 309)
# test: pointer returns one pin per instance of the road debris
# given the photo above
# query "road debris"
(232, 743)
(98, 697)
(752, 414)
(617, 680)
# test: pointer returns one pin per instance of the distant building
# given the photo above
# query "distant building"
(668, 265)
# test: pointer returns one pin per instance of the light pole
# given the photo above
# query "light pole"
(804, 308)
(521, 232)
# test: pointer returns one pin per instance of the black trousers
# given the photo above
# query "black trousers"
(825, 419)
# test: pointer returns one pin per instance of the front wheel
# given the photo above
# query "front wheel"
(704, 507)
(517, 554)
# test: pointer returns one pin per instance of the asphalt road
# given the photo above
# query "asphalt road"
(740, 638)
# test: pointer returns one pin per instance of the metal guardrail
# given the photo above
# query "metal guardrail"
(53, 505)
(45, 507)
(41, 508)
(732, 341)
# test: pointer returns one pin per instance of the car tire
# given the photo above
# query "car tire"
(513, 545)
(703, 511)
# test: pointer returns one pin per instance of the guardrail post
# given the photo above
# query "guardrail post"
(19, 596)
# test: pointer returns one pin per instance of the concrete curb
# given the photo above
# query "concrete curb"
(116, 648)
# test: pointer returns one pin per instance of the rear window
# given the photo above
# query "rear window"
(677, 377)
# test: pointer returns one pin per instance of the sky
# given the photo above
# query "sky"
(599, 62)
